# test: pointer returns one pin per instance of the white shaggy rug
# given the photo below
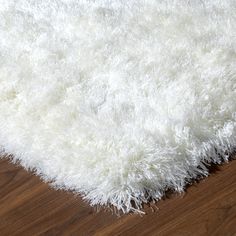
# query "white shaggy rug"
(118, 100)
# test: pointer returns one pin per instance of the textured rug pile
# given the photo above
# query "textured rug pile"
(118, 100)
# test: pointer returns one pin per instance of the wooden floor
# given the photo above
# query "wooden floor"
(29, 207)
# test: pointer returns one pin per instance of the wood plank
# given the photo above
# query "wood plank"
(30, 207)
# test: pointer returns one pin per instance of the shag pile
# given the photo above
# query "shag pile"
(118, 100)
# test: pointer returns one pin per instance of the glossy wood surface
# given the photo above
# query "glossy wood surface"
(30, 207)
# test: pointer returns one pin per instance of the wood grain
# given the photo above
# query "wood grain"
(30, 207)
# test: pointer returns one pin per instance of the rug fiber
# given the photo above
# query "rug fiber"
(118, 100)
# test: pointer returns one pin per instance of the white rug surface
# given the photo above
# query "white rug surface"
(118, 100)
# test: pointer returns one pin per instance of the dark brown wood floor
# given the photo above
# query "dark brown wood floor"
(30, 207)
